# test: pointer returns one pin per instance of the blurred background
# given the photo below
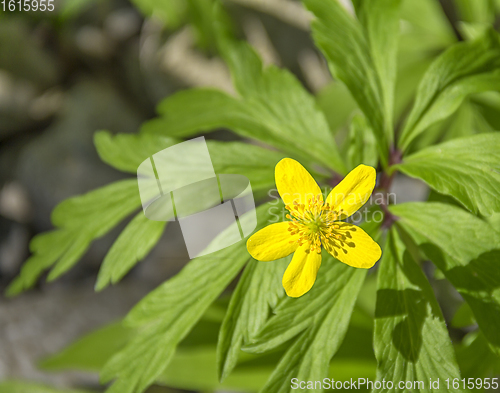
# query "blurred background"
(105, 64)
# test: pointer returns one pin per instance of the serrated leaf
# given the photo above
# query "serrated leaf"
(329, 303)
(273, 107)
(466, 168)
(46, 248)
(463, 69)
(80, 220)
(352, 50)
(133, 244)
(168, 313)
(466, 249)
(13, 386)
(126, 152)
(99, 210)
(411, 341)
(257, 291)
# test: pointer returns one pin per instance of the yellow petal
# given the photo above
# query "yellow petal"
(294, 183)
(353, 192)
(355, 247)
(272, 242)
(300, 274)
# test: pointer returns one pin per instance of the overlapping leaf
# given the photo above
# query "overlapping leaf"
(411, 341)
(320, 320)
(272, 107)
(80, 220)
(362, 143)
(467, 168)
(362, 55)
(168, 313)
(258, 290)
(463, 69)
(126, 152)
(133, 244)
(466, 249)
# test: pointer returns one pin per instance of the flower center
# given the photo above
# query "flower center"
(316, 223)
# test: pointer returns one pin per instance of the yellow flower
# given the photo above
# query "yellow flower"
(315, 223)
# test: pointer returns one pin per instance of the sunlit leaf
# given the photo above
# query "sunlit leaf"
(411, 341)
(466, 249)
(133, 244)
(362, 144)
(167, 314)
(258, 290)
(272, 107)
(466, 168)
(463, 69)
(353, 52)
(476, 358)
(309, 321)
(79, 220)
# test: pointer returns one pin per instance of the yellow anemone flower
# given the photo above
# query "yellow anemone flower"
(315, 223)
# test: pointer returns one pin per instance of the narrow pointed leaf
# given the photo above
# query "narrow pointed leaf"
(411, 341)
(318, 321)
(166, 315)
(466, 249)
(353, 51)
(133, 244)
(465, 68)
(258, 290)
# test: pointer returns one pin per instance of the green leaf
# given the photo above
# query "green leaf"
(273, 107)
(196, 354)
(257, 291)
(126, 152)
(467, 169)
(380, 19)
(167, 314)
(479, 11)
(133, 244)
(465, 249)
(47, 248)
(329, 303)
(463, 69)
(97, 211)
(80, 220)
(463, 317)
(426, 27)
(91, 351)
(336, 95)
(362, 143)
(353, 52)
(201, 362)
(411, 341)
(170, 12)
(12, 386)
(476, 358)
